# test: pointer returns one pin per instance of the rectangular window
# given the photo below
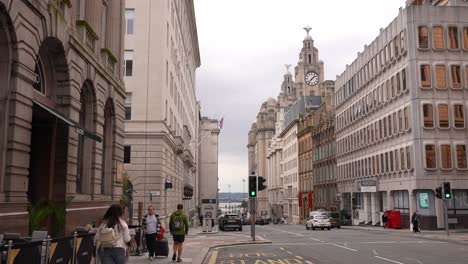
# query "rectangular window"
(127, 154)
(458, 116)
(453, 38)
(393, 86)
(406, 113)
(392, 164)
(396, 44)
(397, 160)
(442, 110)
(402, 158)
(465, 38)
(403, 41)
(387, 167)
(430, 157)
(398, 83)
(395, 123)
(423, 34)
(128, 107)
(440, 77)
(388, 89)
(428, 115)
(425, 75)
(461, 157)
(103, 24)
(129, 20)
(128, 62)
(384, 127)
(400, 120)
(446, 156)
(389, 118)
(438, 37)
(456, 76)
(403, 80)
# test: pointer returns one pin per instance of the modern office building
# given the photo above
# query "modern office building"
(62, 111)
(401, 117)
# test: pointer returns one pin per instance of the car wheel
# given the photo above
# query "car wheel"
(240, 229)
(321, 228)
(313, 228)
(329, 228)
(307, 227)
(339, 227)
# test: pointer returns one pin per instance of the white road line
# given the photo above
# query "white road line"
(375, 252)
(389, 260)
(299, 257)
(404, 242)
(336, 245)
(308, 262)
(289, 252)
(281, 248)
(315, 239)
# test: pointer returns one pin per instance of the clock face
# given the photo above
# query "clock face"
(312, 78)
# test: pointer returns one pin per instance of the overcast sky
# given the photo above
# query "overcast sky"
(244, 45)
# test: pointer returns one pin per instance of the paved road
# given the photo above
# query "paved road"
(294, 244)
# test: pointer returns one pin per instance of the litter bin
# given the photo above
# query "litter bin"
(394, 219)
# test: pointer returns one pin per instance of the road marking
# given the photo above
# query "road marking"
(299, 257)
(308, 262)
(289, 252)
(213, 258)
(375, 252)
(315, 239)
(336, 245)
(403, 242)
(281, 248)
(389, 260)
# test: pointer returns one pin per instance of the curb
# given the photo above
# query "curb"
(201, 258)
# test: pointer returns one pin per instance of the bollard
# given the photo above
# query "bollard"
(210, 224)
(10, 244)
(204, 224)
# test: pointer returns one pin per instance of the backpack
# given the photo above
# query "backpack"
(108, 237)
(178, 222)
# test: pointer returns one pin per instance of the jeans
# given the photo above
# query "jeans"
(113, 255)
(151, 243)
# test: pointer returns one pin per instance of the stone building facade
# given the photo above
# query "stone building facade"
(62, 111)
(401, 117)
(162, 118)
(305, 194)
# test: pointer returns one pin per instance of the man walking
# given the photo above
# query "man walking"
(179, 227)
(152, 228)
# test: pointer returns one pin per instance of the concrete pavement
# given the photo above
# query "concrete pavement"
(197, 244)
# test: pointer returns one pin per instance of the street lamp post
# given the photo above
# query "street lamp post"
(243, 188)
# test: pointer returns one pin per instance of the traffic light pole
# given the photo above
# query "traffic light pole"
(253, 214)
(446, 217)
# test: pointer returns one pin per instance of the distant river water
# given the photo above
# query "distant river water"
(225, 207)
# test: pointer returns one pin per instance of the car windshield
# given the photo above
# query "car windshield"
(334, 215)
(320, 217)
(231, 216)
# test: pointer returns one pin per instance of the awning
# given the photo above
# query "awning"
(78, 129)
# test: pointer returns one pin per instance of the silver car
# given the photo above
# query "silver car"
(318, 221)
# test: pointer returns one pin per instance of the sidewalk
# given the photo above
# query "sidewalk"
(456, 235)
(197, 244)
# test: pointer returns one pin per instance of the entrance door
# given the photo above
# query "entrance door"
(47, 169)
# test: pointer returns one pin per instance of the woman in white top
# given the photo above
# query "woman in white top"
(113, 219)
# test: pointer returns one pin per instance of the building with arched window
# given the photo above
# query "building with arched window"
(61, 112)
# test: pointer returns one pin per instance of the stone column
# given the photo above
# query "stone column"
(367, 208)
(412, 203)
(374, 208)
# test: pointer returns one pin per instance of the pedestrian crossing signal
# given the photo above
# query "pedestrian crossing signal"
(261, 183)
(253, 186)
(439, 192)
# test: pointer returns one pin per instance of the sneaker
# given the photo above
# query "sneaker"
(179, 260)
(174, 257)
(150, 258)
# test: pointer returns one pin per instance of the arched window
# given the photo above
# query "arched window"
(85, 145)
(107, 148)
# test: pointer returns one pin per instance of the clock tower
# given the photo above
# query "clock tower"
(309, 70)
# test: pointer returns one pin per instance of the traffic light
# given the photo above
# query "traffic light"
(167, 185)
(439, 192)
(447, 190)
(261, 185)
(252, 186)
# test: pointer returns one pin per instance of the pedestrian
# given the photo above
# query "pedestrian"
(384, 219)
(416, 221)
(152, 228)
(179, 227)
(113, 236)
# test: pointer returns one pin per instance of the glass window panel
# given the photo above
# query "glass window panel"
(392, 164)
(453, 37)
(458, 116)
(385, 127)
(396, 43)
(395, 123)
(398, 83)
(440, 76)
(423, 37)
(428, 116)
(465, 38)
(402, 158)
(129, 18)
(400, 120)
(402, 43)
(403, 80)
(388, 89)
(406, 114)
(425, 75)
(390, 131)
(430, 157)
(408, 158)
(393, 86)
(438, 37)
(461, 157)
(456, 76)
(443, 116)
(446, 156)
(397, 160)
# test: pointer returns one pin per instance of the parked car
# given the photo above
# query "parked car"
(318, 221)
(227, 221)
(260, 220)
(246, 221)
(335, 219)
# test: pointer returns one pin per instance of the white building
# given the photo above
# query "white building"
(400, 117)
(162, 122)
